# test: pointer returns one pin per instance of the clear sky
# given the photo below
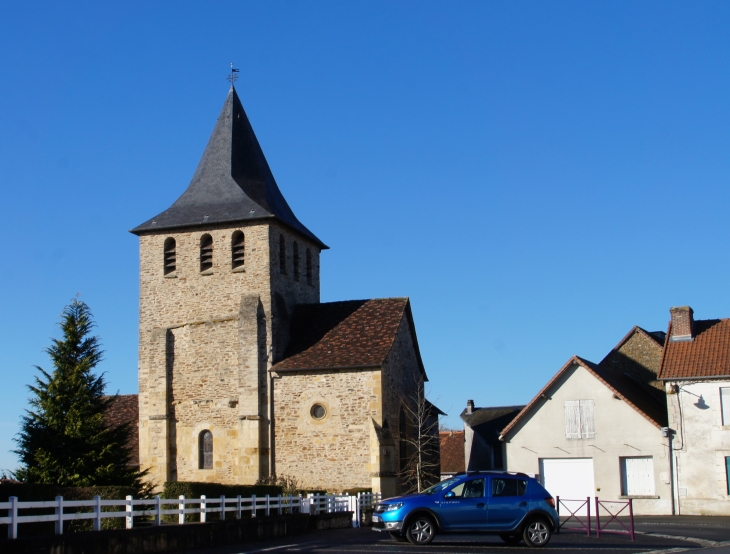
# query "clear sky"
(537, 177)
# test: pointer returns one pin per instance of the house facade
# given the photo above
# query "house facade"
(696, 374)
(596, 431)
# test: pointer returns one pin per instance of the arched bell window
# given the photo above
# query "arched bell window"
(170, 256)
(237, 250)
(206, 252)
(403, 439)
(282, 255)
(205, 450)
(309, 267)
(295, 252)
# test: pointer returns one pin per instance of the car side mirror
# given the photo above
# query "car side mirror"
(449, 494)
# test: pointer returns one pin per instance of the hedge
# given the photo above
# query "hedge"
(29, 492)
(213, 491)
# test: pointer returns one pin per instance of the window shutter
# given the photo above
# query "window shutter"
(725, 402)
(572, 419)
(588, 427)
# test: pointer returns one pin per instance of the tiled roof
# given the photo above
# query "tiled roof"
(125, 409)
(349, 334)
(452, 451)
(625, 388)
(707, 356)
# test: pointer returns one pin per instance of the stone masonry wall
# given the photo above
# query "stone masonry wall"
(640, 357)
(402, 383)
(198, 328)
(332, 453)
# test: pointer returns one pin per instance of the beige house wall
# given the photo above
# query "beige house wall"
(206, 343)
(620, 432)
(701, 444)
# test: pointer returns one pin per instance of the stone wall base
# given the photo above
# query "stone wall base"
(172, 538)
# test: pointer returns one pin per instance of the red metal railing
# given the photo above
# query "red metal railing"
(614, 517)
(574, 515)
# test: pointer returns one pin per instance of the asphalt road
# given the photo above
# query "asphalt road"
(365, 541)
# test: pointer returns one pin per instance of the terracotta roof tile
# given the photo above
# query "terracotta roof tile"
(347, 334)
(452, 451)
(707, 356)
(125, 409)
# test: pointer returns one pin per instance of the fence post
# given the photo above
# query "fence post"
(631, 516)
(223, 507)
(588, 505)
(158, 510)
(238, 507)
(13, 513)
(598, 520)
(203, 508)
(181, 509)
(97, 513)
(59, 514)
(267, 504)
(129, 508)
(253, 505)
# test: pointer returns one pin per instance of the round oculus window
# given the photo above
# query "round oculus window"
(318, 411)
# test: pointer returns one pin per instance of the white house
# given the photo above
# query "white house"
(596, 430)
(696, 374)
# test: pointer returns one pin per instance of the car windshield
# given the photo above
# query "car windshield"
(441, 486)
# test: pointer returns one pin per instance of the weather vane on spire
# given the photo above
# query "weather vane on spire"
(232, 77)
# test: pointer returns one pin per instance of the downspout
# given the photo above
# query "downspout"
(272, 427)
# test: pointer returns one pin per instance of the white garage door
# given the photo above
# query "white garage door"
(569, 478)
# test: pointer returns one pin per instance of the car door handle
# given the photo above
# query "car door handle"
(480, 505)
(523, 503)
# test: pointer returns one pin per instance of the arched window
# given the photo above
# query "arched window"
(170, 256)
(206, 252)
(309, 267)
(402, 439)
(205, 450)
(237, 250)
(282, 255)
(296, 261)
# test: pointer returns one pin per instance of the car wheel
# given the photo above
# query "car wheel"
(421, 530)
(536, 533)
(510, 539)
(398, 537)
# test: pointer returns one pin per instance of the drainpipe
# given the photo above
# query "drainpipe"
(669, 434)
(272, 430)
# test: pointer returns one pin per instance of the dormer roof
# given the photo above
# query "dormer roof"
(232, 184)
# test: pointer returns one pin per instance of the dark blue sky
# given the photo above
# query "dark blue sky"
(538, 177)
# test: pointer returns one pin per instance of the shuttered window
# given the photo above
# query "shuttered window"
(725, 402)
(579, 421)
(637, 476)
(238, 251)
(206, 252)
(170, 256)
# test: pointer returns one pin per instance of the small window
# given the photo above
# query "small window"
(508, 487)
(579, 421)
(205, 450)
(206, 252)
(237, 250)
(318, 411)
(637, 476)
(295, 252)
(725, 403)
(170, 256)
(309, 267)
(282, 255)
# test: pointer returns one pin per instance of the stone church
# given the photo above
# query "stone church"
(243, 372)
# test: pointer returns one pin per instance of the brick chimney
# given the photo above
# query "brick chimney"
(682, 324)
(469, 406)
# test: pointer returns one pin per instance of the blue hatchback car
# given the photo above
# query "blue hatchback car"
(512, 505)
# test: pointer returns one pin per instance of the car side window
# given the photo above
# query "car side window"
(469, 489)
(508, 487)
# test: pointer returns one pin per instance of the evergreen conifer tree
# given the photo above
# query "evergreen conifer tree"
(64, 439)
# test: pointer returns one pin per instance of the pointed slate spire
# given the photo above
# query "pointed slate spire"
(233, 182)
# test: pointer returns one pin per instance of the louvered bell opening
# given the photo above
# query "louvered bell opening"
(309, 267)
(237, 250)
(170, 256)
(296, 262)
(206, 253)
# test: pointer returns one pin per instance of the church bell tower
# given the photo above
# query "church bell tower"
(221, 271)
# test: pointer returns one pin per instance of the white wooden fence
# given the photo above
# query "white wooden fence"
(155, 508)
